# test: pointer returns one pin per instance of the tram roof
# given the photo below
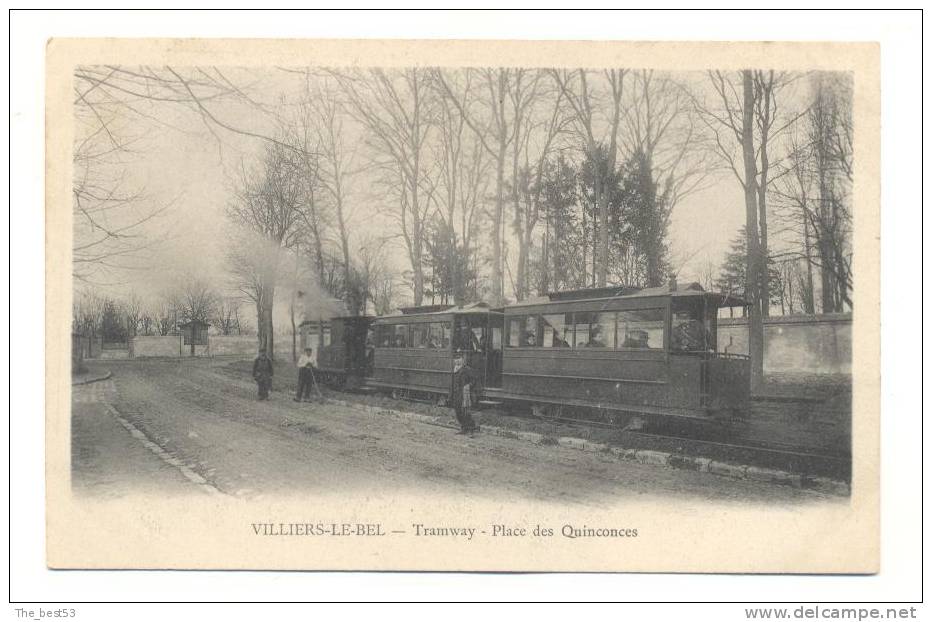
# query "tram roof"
(628, 293)
(436, 311)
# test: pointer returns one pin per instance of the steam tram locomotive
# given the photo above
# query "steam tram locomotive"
(611, 351)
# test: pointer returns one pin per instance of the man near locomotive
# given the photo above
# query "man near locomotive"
(307, 362)
(262, 372)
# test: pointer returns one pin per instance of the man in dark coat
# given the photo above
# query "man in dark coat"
(464, 383)
(262, 372)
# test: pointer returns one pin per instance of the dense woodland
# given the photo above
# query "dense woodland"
(491, 183)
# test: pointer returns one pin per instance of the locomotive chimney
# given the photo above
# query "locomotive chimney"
(672, 282)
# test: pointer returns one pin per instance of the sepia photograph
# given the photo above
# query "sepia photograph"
(359, 305)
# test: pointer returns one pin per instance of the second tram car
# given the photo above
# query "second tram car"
(416, 351)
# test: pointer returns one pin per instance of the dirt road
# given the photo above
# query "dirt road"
(216, 436)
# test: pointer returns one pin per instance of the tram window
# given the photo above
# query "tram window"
(437, 336)
(595, 330)
(496, 337)
(418, 336)
(514, 332)
(529, 337)
(478, 338)
(522, 332)
(385, 336)
(640, 329)
(400, 338)
(581, 328)
(326, 337)
(690, 334)
(557, 330)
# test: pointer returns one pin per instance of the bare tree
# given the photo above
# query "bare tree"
(732, 123)
(271, 210)
(482, 97)
(814, 192)
(113, 216)
(794, 193)
(148, 321)
(226, 315)
(579, 92)
(323, 120)
(166, 315)
(829, 122)
(87, 310)
(396, 107)
(540, 118)
(111, 210)
(193, 299)
(661, 131)
(660, 122)
(134, 307)
(754, 257)
(462, 180)
(723, 119)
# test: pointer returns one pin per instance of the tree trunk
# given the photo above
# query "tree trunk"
(600, 254)
(294, 335)
(523, 243)
(418, 269)
(497, 293)
(260, 325)
(270, 332)
(825, 228)
(809, 295)
(762, 208)
(585, 248)
(752, 278)
(344, 246)
(268, 327)
(826, 256)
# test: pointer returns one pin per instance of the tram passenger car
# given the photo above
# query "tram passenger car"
(416, 351)
(623, 350)
(344, 347)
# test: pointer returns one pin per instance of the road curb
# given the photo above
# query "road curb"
(165, 456)
(101, 378)
(642, 456)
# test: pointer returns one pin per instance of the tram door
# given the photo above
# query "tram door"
(478, 338)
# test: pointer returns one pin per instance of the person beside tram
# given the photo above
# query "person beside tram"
(307, 363)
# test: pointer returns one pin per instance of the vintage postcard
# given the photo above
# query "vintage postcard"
(463, 305)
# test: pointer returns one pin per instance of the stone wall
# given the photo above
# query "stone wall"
(817, 344)
(170, 346)
(234, 345)
(157, 346)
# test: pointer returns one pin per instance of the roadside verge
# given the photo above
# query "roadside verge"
(667, 459)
